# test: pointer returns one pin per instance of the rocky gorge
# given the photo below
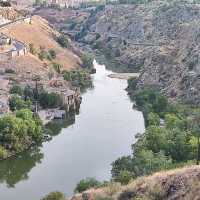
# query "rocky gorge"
(159, 39)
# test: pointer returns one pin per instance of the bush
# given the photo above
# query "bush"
(78, 78)
(86, 184)
(50, 100)
(52, 53)
(16, 89)
(63, 41)
(17, 103)
(87, 61)
(57, 67)
(3, 153)
(19, 132)
(124, 177)
(54, 196)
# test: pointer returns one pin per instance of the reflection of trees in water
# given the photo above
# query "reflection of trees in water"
(54, 127)
(17, 168)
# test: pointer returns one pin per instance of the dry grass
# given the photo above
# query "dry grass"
(179, 184)
(41, 34)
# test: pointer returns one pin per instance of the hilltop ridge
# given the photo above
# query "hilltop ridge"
(177, 184)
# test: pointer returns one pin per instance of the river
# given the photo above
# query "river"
(103, 130)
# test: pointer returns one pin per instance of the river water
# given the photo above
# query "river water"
(103, 131)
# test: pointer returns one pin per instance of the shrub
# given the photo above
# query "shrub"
(50, 100)
(3, 153)
(124, 177)
(52, 53)
(78, 78)
(16, 89)
(87, 183)
(54, 196)
(87, 61)
(16, 103)
(57, 67)
(63, 41)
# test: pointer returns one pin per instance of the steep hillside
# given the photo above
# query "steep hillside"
(42, 36)
(160, 39)
(179, 184)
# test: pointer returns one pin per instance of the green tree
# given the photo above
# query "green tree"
(16, 89)
(50, 100)
(52, 53)
(124, 177)
(17, 103)
(87, 183)
(146, 162)
(63, 41)
(156, 138)
(54, 196)
(87, 60)
(153, 119)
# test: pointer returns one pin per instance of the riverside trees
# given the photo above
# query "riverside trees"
(163, 145)
(18, 132)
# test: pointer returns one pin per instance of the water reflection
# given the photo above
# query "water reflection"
(16, 169)
(54, 127)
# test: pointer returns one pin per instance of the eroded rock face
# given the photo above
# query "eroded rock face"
(160, 39)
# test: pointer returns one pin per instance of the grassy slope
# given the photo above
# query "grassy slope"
(42, 35)
(179, 184)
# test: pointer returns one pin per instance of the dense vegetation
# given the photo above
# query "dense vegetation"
(25, 97)
(18, 131)
(54, 196)
(78, 78)
(86, 184)
(170, 139)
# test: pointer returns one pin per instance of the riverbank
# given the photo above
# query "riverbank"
(124, 76)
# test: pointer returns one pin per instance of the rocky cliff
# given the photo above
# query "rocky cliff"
(160, 39)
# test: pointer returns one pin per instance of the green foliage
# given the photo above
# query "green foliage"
(87, 60)
(17, 103)
(54, 196)
(57, 67)
(18, 132)
(3, 152)
(146, 162)
(132, 83)
(87, 183)
(63, 41)
(78, 78)
(50, 100)
(124, 177)
(16, 89)
(153, 119)
(28, 93)
(161, 147)
(121, 164)
(52, 53)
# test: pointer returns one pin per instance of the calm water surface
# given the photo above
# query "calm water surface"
(103, 131)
